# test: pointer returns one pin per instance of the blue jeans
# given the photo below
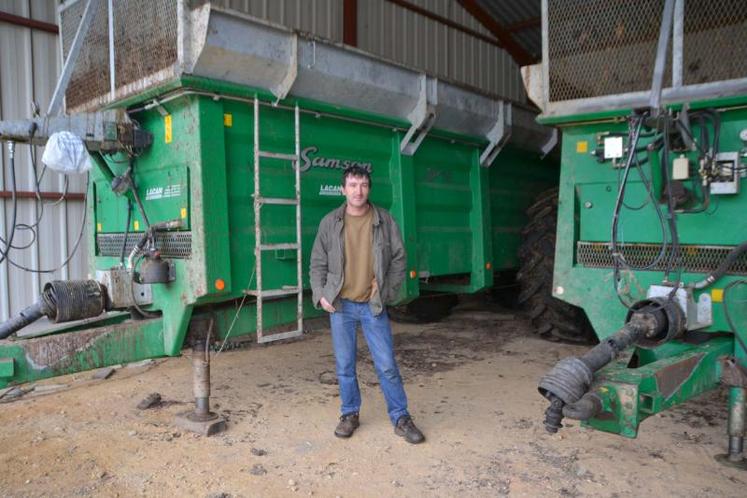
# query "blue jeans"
(344, 323)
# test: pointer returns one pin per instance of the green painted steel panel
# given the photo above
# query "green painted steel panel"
(200, 170)
(588, 189)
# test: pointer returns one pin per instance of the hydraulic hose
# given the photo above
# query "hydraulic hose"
(723, 267)
(27, 316)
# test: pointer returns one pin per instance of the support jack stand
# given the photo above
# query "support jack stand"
(201, 420)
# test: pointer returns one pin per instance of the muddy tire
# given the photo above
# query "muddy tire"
(425, 309)
(552, 318)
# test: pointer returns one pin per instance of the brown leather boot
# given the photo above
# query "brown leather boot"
(347, 426)
(406, 428)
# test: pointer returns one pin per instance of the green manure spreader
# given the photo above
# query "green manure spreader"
(651, 99)
(217, 143)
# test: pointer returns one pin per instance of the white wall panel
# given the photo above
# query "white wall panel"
(399, 34)
(321, 17)
(29, 65)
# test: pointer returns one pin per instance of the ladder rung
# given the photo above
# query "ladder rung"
(276, 200)
(273, 292)
(278, 155)
(279, 336)
(277, 247)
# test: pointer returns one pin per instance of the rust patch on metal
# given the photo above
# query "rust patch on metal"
(670, 378)
(57, 351)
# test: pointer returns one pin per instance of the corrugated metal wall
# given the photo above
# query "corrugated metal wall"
(321, 17)
(29, 64)
(396, 33)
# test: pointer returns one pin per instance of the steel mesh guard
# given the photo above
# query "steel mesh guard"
(145, 42)
(695, 258)
(90, 78)
(170, 244)
(602, 47)
(714, 41)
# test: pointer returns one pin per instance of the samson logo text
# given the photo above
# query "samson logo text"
(309, 159)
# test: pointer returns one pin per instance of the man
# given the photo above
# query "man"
(357, 268)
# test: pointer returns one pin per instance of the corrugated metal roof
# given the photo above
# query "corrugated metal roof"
(514, 13)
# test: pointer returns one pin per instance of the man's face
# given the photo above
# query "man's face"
(356, 190)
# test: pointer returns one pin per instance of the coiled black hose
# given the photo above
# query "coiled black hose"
(61, 301)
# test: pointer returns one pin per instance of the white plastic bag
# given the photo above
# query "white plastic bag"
(66, 153)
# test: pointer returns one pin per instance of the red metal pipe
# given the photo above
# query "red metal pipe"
(51, 196)
(29, 23)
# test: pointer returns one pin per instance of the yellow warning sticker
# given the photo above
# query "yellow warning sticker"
(167, 128)
(717, 295)
(98, 227)
(184, 213)
(582, 146)
(136, 225)
(228, 120)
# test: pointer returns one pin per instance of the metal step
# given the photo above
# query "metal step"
(278, 247)
(272, 292)
(281, 201)
(279, 336)
(278, 155)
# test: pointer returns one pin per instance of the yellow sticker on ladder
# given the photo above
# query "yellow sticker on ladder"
(228, 120)
(136, 225)
(582, 146)
(167, 128)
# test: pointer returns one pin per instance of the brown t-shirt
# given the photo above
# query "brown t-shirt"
(359, 275)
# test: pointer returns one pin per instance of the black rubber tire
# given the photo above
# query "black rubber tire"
(425, 309)
(552, 318)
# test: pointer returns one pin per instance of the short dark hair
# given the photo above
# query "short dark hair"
(355, 171)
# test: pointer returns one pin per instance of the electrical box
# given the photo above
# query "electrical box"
(726, 180)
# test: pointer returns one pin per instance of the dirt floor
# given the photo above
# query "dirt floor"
(471, 380)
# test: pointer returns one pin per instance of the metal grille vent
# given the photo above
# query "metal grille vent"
(695, 258)
(171, 244)
(598, 47)
(714, 41)
(145, 42)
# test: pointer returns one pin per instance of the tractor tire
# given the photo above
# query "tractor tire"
(425, 309)
(551, 318)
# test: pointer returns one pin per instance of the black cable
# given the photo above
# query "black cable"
(662, 222)
(617, 257)
(674, 258)
(14, 194)
(77, 242)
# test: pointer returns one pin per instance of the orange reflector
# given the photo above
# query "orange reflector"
(220, 284)
(488, 266)
(413, 274)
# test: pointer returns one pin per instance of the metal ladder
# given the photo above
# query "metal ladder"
(260, 248)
